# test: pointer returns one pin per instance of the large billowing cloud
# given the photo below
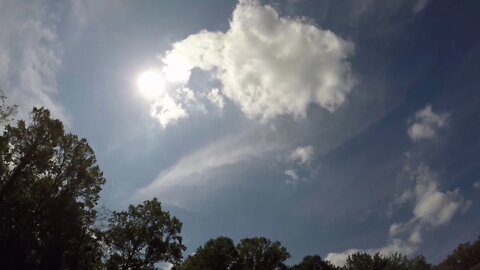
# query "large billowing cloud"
(267, 64)
(426, 124)
(431, 208)
(29, 55)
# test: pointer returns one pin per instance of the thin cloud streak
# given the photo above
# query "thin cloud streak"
(30, 56)
(194, 169)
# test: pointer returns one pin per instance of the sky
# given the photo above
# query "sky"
(331, 126)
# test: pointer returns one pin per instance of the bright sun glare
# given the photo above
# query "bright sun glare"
(151, 84)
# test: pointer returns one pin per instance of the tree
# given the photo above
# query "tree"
(465, 256)
(49, 186)
(259, 253)
(313, 263)
(6, 111)
(395, 261)
(142, 236)
(219, 253)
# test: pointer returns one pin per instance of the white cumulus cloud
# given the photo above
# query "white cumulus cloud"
(166, 110)
(267, 64)
(293, 176)
(476, 185)
(426, 124)
(431, 208)
(302, 154)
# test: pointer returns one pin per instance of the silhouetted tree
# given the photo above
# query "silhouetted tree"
(259, 253)
(49, 186)
(219, 253)
(313, 263)
(6, 111)
(142, 236)
(396, 261)
(465, 256)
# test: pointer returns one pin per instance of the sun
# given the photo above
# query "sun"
(151, 84)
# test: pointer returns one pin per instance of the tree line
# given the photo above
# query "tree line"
(49, 190)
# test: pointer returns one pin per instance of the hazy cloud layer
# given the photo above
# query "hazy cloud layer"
(267, 64)
(29, 55)
(431, 208)
(426, 124)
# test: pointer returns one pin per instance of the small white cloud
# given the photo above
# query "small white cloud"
(476, 185)
(216, 98)
(293, 176)
(302, 154)
(432, 208)
(166, 110)
(267, 64)
(426, 124)
(340, 258)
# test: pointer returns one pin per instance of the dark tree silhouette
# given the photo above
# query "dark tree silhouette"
(261, 254)
(142, 236)
(6, 111)
(465, 256)
(219, 253)
(49, 186)
(313, 263)
(396, 261)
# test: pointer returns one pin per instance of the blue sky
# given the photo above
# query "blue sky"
(332, 126)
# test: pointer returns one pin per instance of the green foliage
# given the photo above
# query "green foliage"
(142, 236)
(49, 186)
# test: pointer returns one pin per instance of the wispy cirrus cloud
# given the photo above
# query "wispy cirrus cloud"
(29, 56)
(193, 169)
